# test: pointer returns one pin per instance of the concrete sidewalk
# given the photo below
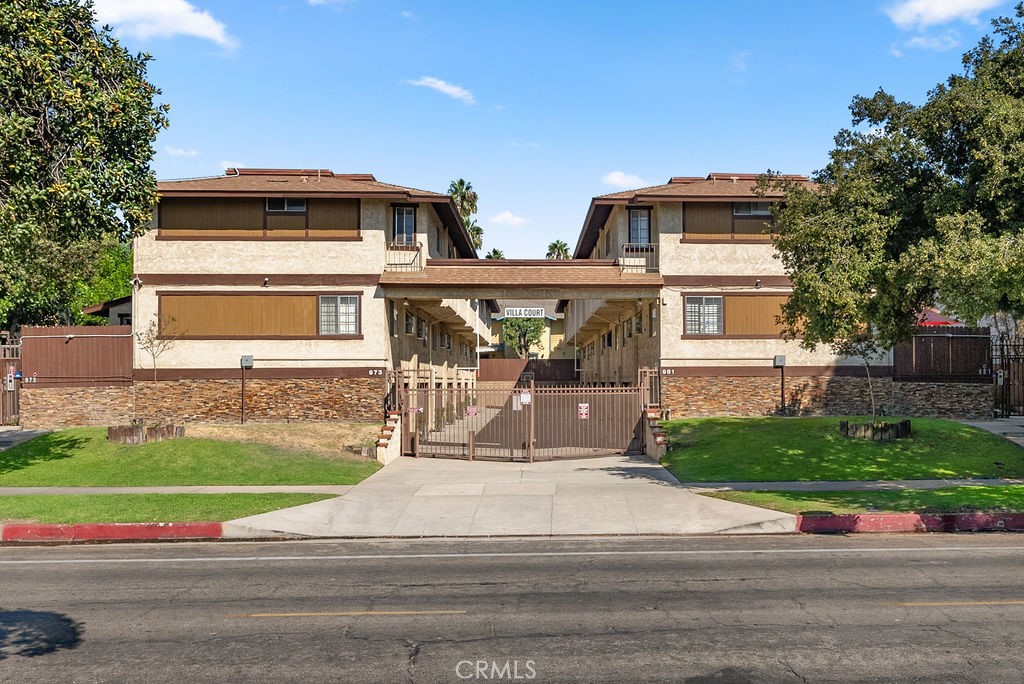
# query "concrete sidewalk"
(437, 497)
(1011, 428)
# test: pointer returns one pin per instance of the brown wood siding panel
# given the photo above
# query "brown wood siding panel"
(753, 315)
(333, 218)
(202, 315)
(753, 227)
(226, 217)
(708, 218)
(286, 225)
(92, 356)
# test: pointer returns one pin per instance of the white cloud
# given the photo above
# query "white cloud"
(894, 50)
(144, 19)
(406, 14)
(449, 89)
(529, 145)
(335, 3)
(621, 179)
(507, 218)
(740, 60)
(179, 151)
(225, 165)
(946, 41)
(909, 14)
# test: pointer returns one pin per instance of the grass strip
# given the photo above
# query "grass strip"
(811, 449)
(971, 499)
(82, 457)
(131, 508)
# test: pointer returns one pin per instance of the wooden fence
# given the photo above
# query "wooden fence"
(945, 354)
(510, 370)
(76, 356)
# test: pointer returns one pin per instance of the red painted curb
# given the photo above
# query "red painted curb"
(35, 532)
(911, 522)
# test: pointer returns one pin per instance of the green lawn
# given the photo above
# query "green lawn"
(947, 500)
(807, 449)
(83, 457)
(102, 508)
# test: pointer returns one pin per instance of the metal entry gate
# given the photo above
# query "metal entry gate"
(1008, 365)
(523, 423)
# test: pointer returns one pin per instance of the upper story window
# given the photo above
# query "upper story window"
(405, 225)
(289, 204)
(752, 208)
(640, 226)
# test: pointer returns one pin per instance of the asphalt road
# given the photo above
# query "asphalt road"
(864, 608)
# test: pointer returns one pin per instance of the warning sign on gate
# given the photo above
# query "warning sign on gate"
(584, 411)
(472, 411)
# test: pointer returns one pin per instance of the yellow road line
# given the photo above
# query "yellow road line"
(928, 604)
(350, 613)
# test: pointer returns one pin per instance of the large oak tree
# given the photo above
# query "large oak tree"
(918, 205)
(77, 125)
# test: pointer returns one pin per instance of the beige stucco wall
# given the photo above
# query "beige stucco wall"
(372, 350)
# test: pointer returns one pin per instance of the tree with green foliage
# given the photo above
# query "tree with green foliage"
(495, 253)
(466, 198)
(77, 126)
(918, 205)
(558, 250)
(523, 333)
(111, 279)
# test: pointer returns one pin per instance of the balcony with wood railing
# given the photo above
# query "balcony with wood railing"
(404, 256)
(638, 257)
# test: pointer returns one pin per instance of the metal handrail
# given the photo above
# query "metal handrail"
(638, 257)
(403, 256)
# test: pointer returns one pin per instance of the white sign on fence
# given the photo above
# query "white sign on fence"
(524, 312)
(584, 411)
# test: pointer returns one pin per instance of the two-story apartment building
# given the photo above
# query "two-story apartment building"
(713, 332)
(284, 265)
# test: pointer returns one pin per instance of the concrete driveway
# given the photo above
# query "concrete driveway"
(450, 498)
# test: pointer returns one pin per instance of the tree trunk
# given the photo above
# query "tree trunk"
(871, 389)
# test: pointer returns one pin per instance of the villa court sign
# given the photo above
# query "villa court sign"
(524, 312)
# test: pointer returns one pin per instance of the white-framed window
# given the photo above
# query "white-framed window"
(640, 226)
(752, 208)
(704, 316)
(405, 225)
(288, 204)
(339, 315)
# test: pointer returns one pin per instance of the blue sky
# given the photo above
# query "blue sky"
(541, 105)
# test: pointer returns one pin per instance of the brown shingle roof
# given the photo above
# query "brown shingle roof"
(304, 182)
(715, 187)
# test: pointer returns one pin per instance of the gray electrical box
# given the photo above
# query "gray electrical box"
(246, 362)
(9, 382)
(779, 361)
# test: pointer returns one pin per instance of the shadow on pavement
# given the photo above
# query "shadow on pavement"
(33, 633)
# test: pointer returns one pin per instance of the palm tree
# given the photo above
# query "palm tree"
(465, 198)
(476, 232)
(558, 250)
(495, 254)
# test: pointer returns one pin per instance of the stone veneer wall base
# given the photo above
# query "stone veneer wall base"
(822, 395)
(184, 401)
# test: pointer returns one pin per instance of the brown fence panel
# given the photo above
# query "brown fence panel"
(511, 370)
(945, 355)
(76, 356)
